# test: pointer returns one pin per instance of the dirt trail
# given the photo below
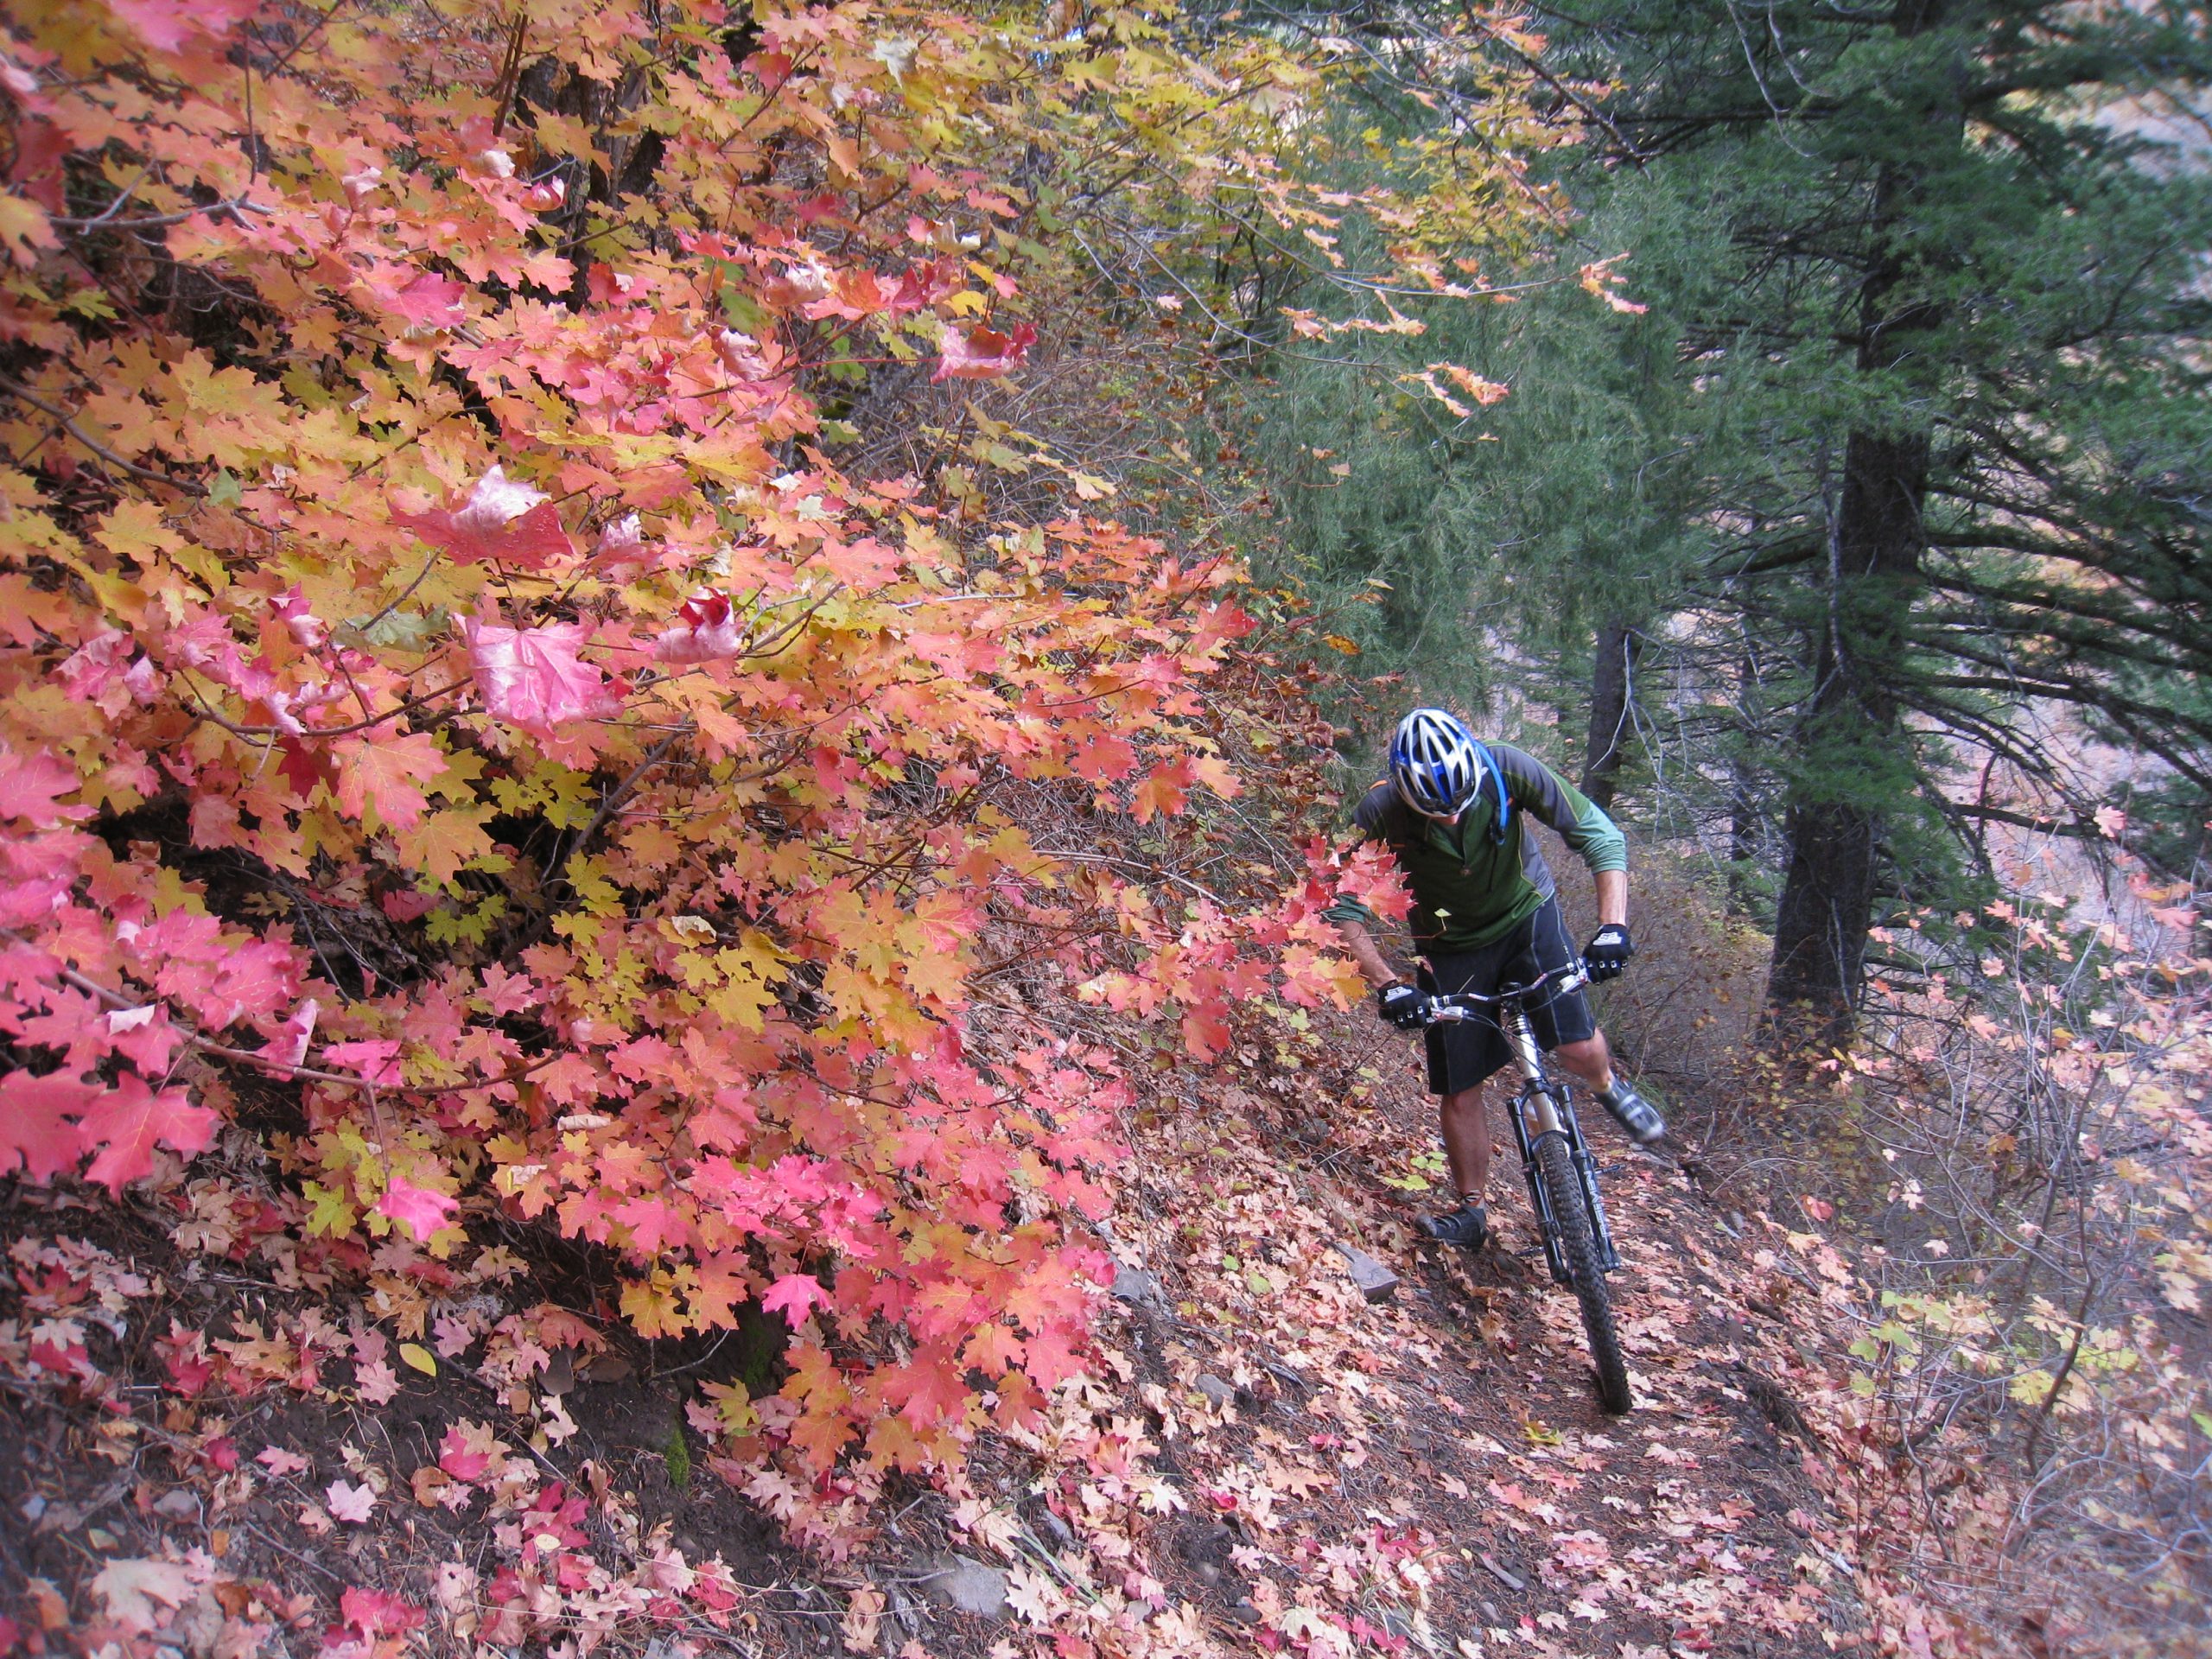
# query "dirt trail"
(1455, 1425)
(1268, 1460)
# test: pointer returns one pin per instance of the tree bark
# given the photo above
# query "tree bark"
(1848, 757)
(1744, 826)
(1612, 684)
(1847, 747)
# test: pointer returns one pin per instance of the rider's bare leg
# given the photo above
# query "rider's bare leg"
(1465, 1122)
(1589, 1059)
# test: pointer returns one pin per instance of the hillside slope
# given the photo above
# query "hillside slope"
(1261, 1457)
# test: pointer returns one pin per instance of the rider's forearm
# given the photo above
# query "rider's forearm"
(1612, 897)
(1371, 960)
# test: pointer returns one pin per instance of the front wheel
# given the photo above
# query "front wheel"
(1579, 1246)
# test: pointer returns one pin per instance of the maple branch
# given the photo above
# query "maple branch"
(68, 424)
(504, 89)
(620, 793)
(238, 207)
(403, 595)
(122, 1004)
(2058, 1380)
(1135, 868)
(406, 707)
(784, 635)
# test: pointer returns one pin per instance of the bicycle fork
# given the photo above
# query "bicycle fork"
(1546, 1108)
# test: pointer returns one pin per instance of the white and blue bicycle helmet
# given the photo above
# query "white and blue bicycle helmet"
(1438, 765)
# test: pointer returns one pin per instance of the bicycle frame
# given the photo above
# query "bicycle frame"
(1544, 1106)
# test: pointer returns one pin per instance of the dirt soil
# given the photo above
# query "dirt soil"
(1272, 1460)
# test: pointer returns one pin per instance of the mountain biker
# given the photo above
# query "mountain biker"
(1453, 811)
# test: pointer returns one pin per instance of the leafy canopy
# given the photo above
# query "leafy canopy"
(450, 680)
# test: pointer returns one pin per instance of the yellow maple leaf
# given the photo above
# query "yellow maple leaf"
(445, 840)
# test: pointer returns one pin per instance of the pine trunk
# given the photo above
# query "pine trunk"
(1847, 747)
(1835, 820)
(1611, 685)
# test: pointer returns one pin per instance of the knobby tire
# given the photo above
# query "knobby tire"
(1578, 1243)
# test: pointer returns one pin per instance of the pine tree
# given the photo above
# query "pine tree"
(1963, 320)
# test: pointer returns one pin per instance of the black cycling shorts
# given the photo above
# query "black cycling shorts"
(1462, 1054)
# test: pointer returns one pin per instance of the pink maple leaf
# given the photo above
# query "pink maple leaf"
(289, 1046)
(378, 1612)
(29, 784)
(374, 1380)
(981, 352)
(794, 1296)
(533, 678)
(502, 521)
(349, 1502)
(707, 630)
(423, 1210)
(376, 1061)
(430, 300)
(165, 26)
(143, 1036)
(129, 1120)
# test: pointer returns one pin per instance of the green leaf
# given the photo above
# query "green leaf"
(403, 630)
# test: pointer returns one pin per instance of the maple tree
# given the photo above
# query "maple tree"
(448, 677)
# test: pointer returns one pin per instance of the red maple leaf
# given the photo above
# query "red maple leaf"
(1052, 1356)
(460, 1459)
(36, 1130)
(500, 522)
(184, 1355)
(981, 353)
(165, 26)
(707, 630)
(1206, 1032)
(379, 1612)
(386, 771)
(928, 1388)
(430, 300)
(992, 1349)
(1164, 790)
(377, 1061)
(794, 1296)
(127, 1122)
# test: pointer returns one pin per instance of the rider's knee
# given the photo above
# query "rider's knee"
(1465, 1100)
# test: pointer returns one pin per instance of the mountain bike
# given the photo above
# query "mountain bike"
(1562, 1176)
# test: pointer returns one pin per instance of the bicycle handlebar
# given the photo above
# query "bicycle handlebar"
(1464, 1005)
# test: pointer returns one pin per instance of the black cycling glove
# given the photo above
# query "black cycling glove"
(1608, 951)
(1403, 1005)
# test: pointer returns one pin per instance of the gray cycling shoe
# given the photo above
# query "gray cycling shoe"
(1632, 1111)
(1468, 1227)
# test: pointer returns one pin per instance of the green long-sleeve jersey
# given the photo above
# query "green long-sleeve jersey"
(1468, 888)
